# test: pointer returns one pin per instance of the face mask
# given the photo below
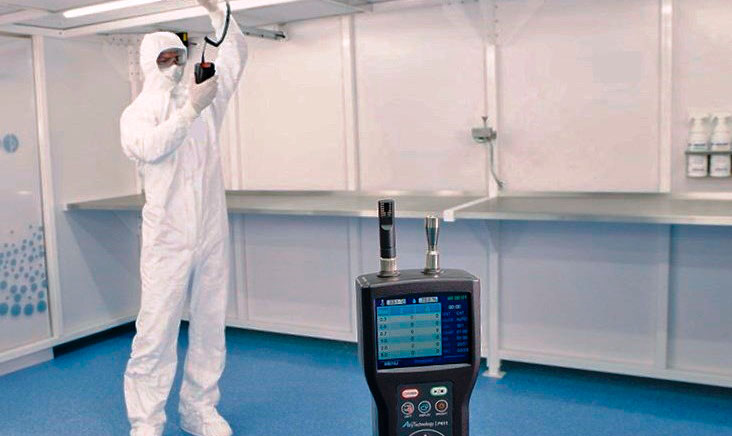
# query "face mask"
(174, 73)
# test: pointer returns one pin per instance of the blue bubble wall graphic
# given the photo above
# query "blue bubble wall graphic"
(23, 282)
(11, 143)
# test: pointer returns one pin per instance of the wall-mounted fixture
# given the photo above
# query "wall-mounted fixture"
(488, 135)
(709, 154)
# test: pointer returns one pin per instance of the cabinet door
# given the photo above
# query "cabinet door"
(24, 309)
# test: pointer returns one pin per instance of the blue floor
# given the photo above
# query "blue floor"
(284, 386)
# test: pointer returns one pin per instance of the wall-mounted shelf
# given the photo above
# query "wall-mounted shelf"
(709, 153)
(626, 208)
(621, 208)
(310, 203)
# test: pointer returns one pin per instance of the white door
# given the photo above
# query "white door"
(24, 308)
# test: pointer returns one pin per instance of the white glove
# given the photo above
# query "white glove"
(210, 5)
(217, 14)
(201, 96)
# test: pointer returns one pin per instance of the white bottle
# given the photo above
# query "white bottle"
(721, 164)
(721, 136)
(697, 165)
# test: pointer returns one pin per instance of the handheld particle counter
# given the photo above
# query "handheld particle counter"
(419, 339)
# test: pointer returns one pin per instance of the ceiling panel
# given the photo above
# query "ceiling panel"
(263, 16)
(292, 12)
(199, 25)
(302, 10)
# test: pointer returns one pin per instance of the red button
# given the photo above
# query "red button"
(441, 406)
(410, 393)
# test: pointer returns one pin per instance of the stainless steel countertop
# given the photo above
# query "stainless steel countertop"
(626, 208)
(126, 203)
(315, 203)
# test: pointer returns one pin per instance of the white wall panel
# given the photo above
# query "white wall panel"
(579, 96)
(702, 62)
(297, 272)
(98, 251)
(579, 289)
(291, 105)
(420, 89)
(701, 299)
(24, 307)
(88, 89)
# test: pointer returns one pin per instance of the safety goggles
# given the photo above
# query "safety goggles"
(171, 57)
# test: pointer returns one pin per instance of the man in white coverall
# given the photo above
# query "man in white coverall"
(172, 131)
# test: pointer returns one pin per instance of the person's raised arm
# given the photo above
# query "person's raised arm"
(231, 58)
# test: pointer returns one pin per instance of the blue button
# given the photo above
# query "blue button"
(425, 406)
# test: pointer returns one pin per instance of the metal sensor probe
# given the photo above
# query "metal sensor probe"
(432, 231)
(387, 239)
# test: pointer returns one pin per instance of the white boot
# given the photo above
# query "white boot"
(206, 423)
(146, 431)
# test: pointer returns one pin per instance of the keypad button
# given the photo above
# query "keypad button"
(410, 393)
(441, 406)
(427, 433)
(438, 391)
(407, 408)
(425, 407)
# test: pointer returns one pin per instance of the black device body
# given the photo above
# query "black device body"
(395, 415)
(204, 71)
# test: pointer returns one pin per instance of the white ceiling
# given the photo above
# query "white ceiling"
(52, 5)
(301, 10)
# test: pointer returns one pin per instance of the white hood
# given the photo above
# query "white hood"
(152, 45)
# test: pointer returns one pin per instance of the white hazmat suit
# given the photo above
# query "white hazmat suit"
(172, 133)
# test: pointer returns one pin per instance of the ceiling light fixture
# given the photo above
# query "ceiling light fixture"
(105, 7)
(236, 5)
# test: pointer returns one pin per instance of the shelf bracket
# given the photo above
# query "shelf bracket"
(275, 35)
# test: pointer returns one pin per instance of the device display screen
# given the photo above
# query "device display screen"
(423, 330)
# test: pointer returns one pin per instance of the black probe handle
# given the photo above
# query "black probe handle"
(387, 231)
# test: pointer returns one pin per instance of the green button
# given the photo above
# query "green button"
(438, 391)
